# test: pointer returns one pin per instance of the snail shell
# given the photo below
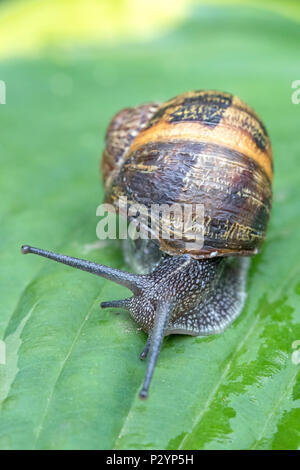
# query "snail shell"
(202, 147)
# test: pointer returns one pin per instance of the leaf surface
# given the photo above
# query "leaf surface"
(72, 372)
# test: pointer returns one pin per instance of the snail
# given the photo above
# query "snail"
(203, 147)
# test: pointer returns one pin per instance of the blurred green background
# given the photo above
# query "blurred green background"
(72, 371)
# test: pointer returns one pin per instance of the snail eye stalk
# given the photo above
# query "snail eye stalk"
(129, 280)
(140, 286)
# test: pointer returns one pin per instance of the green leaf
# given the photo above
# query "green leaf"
(72, 372)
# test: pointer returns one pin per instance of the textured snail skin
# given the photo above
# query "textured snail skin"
(204, 296)
(201, 147)
(181, 295)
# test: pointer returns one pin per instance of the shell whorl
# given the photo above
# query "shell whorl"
(203, 147)
(122, 130)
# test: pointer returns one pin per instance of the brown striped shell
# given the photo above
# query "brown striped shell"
(202, 147)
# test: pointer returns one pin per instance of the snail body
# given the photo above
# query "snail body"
(202, 147)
